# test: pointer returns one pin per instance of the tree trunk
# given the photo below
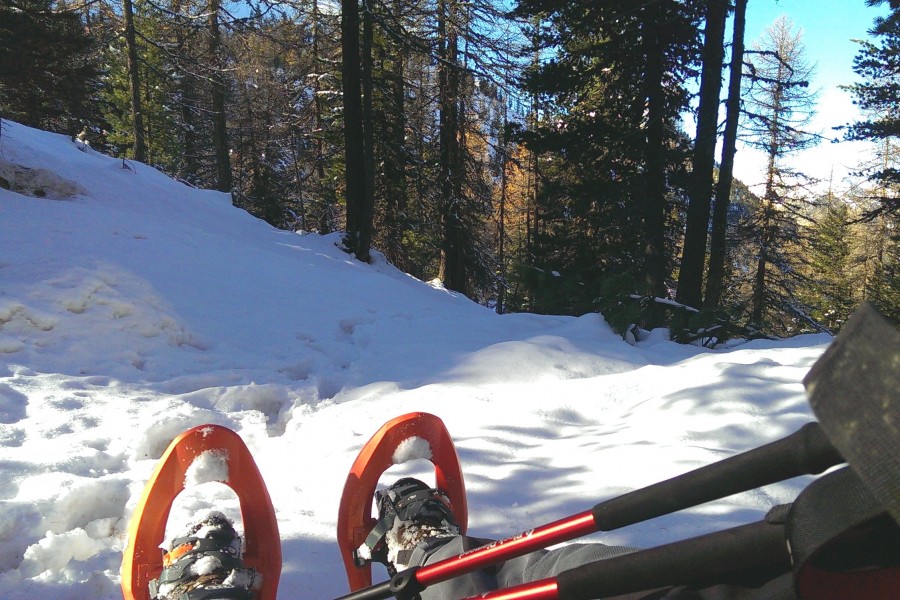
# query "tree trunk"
(317, 100)
(395, 165)
(355, 170)
(693, 258)
(220, 126)
(368, 208)
(187, 163)
(655, 179)
(134, 81)
(758, 306)
(501, 229)
(717, 247)
(452, 268)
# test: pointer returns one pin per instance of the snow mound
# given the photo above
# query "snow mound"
(36, 182)
(140, 307)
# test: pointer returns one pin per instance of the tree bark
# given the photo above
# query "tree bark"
(368, 208)
(187, 168)
(693, 258)
(452, 268)
(220, 125)
(355, 170)
(655, 179)
(758, 305)
(717, 247)
(396, 190)
(134, 82)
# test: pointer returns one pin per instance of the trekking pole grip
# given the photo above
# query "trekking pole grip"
(805, 452)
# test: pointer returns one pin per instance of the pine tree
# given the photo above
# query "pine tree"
(831, 290)
(359, 196)
(716, 272)
(693, 258)
(48, 69)
(879, 66)
(609, 145)
(134, 81)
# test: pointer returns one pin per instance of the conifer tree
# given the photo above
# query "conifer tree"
(134, 81)
(359, 196)
(609, 144)
(779, 106)
(693, 258)
(878, 64)
(832, 285)
(48, 69)
(716, 272)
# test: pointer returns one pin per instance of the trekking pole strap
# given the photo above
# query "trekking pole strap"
(843, 542)
(805, 452)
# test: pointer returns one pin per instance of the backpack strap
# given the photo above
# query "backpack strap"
(843, 543)
(852, 389)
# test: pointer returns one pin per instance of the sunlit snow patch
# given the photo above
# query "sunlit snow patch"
(412, 448)
(211, 465)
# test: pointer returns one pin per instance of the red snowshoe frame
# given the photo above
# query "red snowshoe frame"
(355, 519)
(142, 560)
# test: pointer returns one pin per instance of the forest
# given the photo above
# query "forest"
(533, 155)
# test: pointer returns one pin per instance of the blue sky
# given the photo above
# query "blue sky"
(829, 28)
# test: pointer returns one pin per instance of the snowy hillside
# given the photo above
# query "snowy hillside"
(133, 307)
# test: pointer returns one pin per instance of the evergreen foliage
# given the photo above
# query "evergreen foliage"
(608, 140)
(878, 64)
(829, 259)
(533, 161)
(48, 77)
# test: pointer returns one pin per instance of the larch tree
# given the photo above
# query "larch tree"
(779, 106)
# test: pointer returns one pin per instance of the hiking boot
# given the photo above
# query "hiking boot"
(409, 513)
(205, 564)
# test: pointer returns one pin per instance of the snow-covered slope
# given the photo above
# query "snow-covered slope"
(133, 307)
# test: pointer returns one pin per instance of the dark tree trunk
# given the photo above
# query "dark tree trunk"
(368, 208)
(717, 247)
(220, 125)
(655, 179)
(453, 268)
(355, 170)
(693, 258)
(187, 169)
(395, 166)
(134, 81)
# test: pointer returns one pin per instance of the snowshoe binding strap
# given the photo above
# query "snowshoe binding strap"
(205, 568)
(408, 501)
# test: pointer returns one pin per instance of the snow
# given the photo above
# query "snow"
(412, 448)
(133, 307)
(211, 465)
